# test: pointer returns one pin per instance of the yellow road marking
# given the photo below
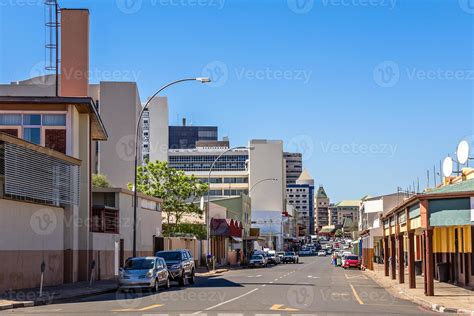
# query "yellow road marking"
(138, 310)
(356, 295)
(279, 307)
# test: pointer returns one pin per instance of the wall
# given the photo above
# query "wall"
(26, 239)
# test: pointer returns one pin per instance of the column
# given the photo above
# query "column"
(401, 259)
(393, 259)
(429, 271)
(411, 260)
(385, 255)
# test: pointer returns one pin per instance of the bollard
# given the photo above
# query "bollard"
(92, 272)
(43, 268)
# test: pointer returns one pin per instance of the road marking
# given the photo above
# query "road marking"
(280, 307)
(352, 277)
(356, 295)
(228, 301)
(138, 310)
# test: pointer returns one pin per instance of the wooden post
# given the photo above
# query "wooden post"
(411, 260)
(393, 259)
(429, 272)
(401, 259)
(385, 255)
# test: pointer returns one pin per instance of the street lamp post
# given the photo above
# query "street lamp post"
(258, 182)
(138, 130)
(208, 219)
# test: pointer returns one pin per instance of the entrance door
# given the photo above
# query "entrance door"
(158, 244)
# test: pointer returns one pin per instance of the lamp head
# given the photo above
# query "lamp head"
(203, 80)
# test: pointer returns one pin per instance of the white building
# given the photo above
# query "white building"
(301, 196)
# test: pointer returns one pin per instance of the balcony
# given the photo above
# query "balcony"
(37, 174)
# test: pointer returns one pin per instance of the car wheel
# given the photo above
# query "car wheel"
(191, 278)
(182, 279)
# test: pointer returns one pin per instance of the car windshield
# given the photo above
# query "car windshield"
(289, 253)
(139, 264)
(170, 255)
(257, 257)
(352, 258)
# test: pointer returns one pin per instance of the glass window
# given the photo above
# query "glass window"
(32, 134)
(32, 119)
(10, 119)
(54, 120)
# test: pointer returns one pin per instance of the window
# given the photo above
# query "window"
(31, 119)
(32, 134)
(10, 119)
(54, 120)
(105, 220)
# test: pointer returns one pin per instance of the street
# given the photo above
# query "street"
(311, 287)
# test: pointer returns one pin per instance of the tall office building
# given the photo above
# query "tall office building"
(294, 166)
(301, 196)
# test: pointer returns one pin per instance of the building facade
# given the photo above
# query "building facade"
(294, 166)
(186, 137)
(321, 208)
(301, 197)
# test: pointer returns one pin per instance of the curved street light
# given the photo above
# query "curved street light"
(258, 182)
(208, 220)
(135, 194)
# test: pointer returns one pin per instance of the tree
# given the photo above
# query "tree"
(339, 233)
(99, 180)
(178, 191)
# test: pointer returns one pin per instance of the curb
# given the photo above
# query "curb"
(60, 299)
(422, 302)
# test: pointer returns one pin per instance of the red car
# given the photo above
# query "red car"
(351, 261)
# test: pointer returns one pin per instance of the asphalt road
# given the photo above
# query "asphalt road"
(313, 287)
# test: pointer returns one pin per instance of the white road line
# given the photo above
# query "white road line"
(223, 303)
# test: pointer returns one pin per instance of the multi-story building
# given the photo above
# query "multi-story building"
(294, 166)
(186, 137)
(230, 176)
(321, 208)
(301, 197)
(345, 212)
(155, 131)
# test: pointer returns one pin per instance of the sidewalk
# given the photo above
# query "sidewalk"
(54, 294)
(448, 298)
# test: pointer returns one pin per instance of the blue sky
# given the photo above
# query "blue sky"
(373, 92)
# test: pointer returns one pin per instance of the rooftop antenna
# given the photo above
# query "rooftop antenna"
(434, 175)
(52, 43)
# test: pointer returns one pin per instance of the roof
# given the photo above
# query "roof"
(305, 176)
(346, 203)
(321, 194)
(463, 186)
(83, 105)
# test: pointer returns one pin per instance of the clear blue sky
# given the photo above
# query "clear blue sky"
(374, 92)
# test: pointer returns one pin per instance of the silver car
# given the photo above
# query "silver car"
(144, 272)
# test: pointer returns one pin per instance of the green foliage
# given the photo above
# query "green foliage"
(178, 191)
(197, 230)
(100, 180)
(339, 233)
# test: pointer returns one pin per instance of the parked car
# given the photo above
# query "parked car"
(258, 261)
(180, 265)
(322, 253)
(351, 261)
(344, 255)
(272, 257)
(291, 256)
(305, 252)
(280, 255)
(144, 272)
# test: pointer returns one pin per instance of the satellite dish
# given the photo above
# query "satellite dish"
(463, 152)
(447, 166)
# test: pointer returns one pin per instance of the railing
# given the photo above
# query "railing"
(33, 173)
